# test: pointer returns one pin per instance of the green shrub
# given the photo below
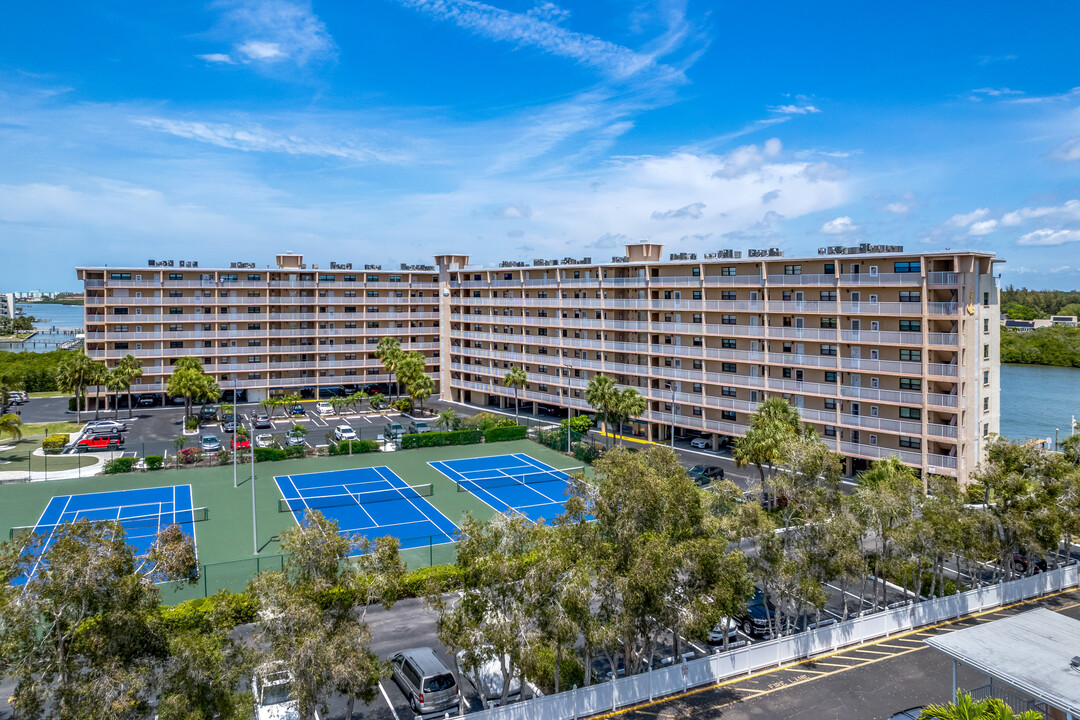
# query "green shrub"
(118, 465)
(403, 405)
(511, 432)
(357, 447)
(427, 580)
(154, 462)
(587, 453)
(71, 404)
(191, 422)
(554, 439)
(293, 451)
(485, 421)
(571, 671)
(223, 609)
(269, 454)
(54, 444)
(439, 439)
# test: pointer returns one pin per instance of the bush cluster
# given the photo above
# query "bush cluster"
(357, 447)
(53, 444)
(154, 462)
(190, 456)
(119, 465)
(511, 432)
(269, 454)
(439, 439)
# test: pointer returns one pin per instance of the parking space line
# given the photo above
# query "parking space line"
(387, 699)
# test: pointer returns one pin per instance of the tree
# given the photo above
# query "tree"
(309, 615)
(772, 427)
(964, 708)
(600, 393)
(628, 404)
(130, 369)
(11, 424)
(389, 351)
(73, 375)
(97, 375)
(447, 419)
(115, 382)
(515, 378)
(376, 401)
(889, 496)
(189, 382)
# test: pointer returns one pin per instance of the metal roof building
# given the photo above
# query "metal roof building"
(1031, 660)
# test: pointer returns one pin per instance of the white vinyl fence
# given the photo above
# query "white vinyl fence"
(623, 691)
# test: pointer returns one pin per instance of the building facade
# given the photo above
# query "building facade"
(883, 353)
(7, 305)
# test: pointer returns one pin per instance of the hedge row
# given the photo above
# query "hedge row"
(439, 439)
(53, 444)
(500, 434)
(118, 465)
(355, 447)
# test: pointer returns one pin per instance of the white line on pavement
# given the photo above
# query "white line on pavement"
(388, 703)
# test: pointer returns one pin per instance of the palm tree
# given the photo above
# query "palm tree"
(116, 382)
(98, 373)
(376, 400)
(130, 367)
(389, 351)
(967, 709)
(772, 427)
(600, 393)
(420, 389)
(192, 384)
(629, 404)
(447, 419)
(516, 378)
(268, 405)
(72, 376)
(11, 424)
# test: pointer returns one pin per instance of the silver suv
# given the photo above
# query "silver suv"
(427, 683)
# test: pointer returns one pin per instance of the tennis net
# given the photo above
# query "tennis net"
(130, 525)
(533, 478)
(319, 502)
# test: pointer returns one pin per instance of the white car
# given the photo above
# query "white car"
(272, 688)
(701, 442)
(344, 432)
(324, 408)
(726, 625)
(488, 678)
(264, 441)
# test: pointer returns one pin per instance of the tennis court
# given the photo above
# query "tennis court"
(511, 483)
(371, 501)
(142, 512)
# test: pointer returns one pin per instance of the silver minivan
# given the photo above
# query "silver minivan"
(427, 683)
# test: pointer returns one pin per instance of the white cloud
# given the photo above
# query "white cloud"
(258, 139)
(1067, 151)
(270, 31)
(217, 58)
(549, 12)
(965, 220)
(794, 109)
(512, 212)
(996, 92)
(839, 226)
(982, 227)
(1069, 211)
(1048, 236)
(897, 207)
(692, 210)
(747, 159)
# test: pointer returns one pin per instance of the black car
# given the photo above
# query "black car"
(228, 423)
(208, 413)
(758, 618)
(1020, 564)
(147, 401)
(705, 474)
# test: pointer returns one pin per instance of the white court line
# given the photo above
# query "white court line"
(522, 483)
(446, 473)
(410, 500)
(48, 540)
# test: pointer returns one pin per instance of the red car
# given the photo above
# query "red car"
(111, 441)
(241, 443)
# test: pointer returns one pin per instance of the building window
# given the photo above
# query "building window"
(830, 403)
(728, 391)
(119, 276)
(727, 367)
(986, 377)
(912, 443)
(830, 376)
(697, 294)
(907, 267)
(827, 295)
(910, 355)
(911, 384)
(176, 344)
(326, 278)
(696, 272)
(729, 343)
(697, 317)
(697, 365)
(986, 429)
(986, 299)
(910, 413)
(830, 431)
(793, 269)
(828, 350)
(229, 277)
(828, 323)
(120, 346)
(373, 278)
(176, 276)
(697, 412)
(727, 295)
(395, 278)
(830, 268)
(910, 296)
(986, 352)
(786, 372)
(728, 271)
(253, 310)
(120, 311)
(728, 415)
(729, 319)
(910, 326)
(986, 404)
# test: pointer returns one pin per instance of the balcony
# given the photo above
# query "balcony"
(885, 366)
(721, 280)
(880, 308)
(900, 397)
(949, 370)
(735, 305)
(943, 339)
(803, 306)
(938, 430)
(941, 400)
(877, 279)
(875, 337)
(802, 333)
(905, 427)
(942, 279)
(877, 452)
(943, 308)
(802, 388)
(819, 361)
(941, 461)
(829, 280)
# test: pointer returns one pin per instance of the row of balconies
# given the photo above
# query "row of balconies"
(862, 279)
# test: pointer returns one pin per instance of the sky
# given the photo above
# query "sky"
(386, 131)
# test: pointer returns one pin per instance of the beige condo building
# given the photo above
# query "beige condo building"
(885, 353)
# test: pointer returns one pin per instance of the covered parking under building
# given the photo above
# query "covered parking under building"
(1031, 661)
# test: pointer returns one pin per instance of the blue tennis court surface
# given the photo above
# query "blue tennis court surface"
(142, 512)
(514, 483)
(373, 502)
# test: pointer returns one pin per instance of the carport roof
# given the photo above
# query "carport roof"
(1030, 652)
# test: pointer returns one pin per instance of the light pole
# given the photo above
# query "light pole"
(671, 387)
(254, 519)
(236, 427)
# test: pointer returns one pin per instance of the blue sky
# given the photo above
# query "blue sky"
(389, 130)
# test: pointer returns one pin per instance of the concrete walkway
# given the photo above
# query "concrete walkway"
(86, 471)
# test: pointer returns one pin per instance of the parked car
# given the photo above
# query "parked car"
(264, 441)
(394, 431)
(112, 441)
(239, 442)
(209, 443)
(726, 626)
(700, 442)
(298, 410)
(272, 688)
(261, 420)
(208, 413)
(419, 426)
(328, 392)
(705, 474)
(758, 617)
(98, 427)
(1020, 564)
(344, 432)
(426, 682)
(910, 714)
(228, 423)
(147, 401)
(324, 408)
(487, 678)
(294, 439)
(18, 397)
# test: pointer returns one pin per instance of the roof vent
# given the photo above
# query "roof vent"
(1075, 662)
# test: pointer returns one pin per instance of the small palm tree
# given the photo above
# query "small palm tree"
(600, 393)
(515, 378)
(447, 419)
(131, 369)
(389, 351)
(11, 424)
(629, 404)
(73, 375)
(98, 374)
(376, 401)
(964, 708)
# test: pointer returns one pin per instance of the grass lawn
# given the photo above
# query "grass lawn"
(225, 543)
(48, 394)
(16, 459)
(51, 428)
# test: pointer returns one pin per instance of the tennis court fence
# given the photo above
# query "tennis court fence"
(320, 502)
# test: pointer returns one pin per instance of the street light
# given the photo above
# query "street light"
(254, 520)
(236, 428)
(671, 387)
